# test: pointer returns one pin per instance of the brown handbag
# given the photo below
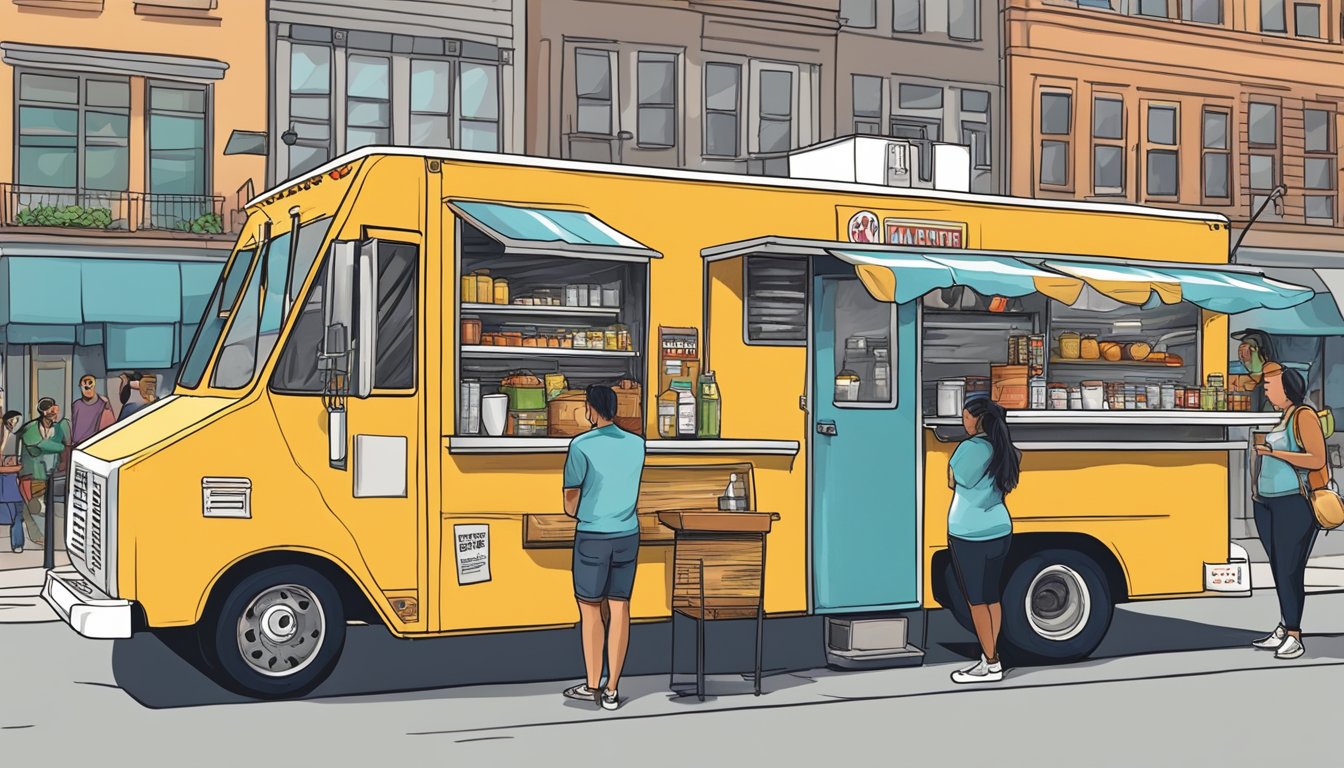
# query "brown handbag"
(1319, 487)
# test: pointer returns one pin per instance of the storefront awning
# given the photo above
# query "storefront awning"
(902, 277)
(550, 232)
(1216, 290)
(1320, 316)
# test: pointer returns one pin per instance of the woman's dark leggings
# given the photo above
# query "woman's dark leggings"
(1287, 528)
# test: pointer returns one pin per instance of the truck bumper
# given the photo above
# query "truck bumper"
(87, 610)
(1232, 577)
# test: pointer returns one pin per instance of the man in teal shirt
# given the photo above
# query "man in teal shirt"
(602, 473)
(42, 442)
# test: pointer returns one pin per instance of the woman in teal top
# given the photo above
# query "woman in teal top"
(983, 469)
(1283, 514)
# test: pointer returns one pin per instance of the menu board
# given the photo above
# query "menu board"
(472, 543)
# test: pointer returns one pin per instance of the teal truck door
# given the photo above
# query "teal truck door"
(865, 534)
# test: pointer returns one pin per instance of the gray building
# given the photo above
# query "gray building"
(351, 73)
(735, 86)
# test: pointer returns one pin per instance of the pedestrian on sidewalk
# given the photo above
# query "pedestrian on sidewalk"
(11, 501)
(1284, 518)
(601, 485)
(90, 414)
(42, 442)
(983, 470)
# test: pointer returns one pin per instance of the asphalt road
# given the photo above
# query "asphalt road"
(1174, 684)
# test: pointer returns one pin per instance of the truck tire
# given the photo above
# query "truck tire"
(276, 634)
(1057, 606)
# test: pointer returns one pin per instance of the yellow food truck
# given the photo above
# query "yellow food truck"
(372, 419)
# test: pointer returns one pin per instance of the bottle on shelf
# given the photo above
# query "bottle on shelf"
(685, 407)
(667, 414)
(708, 409)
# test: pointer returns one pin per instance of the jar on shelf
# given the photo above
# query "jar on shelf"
(597, 339)
(501, 291)
(1168, 397)
(611, 340)
(623, 341)
(485, 287)
(1070, 345)
(1059, 397)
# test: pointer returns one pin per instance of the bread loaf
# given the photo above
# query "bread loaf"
(1139, 350)
(1111, 351)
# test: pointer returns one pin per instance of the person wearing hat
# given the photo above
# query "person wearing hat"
(1254, 351)
(1284, 517)
(42, 442)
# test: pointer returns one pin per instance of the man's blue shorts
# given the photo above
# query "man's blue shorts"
(604, 566)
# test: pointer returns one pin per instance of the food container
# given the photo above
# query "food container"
(1058, 397)
(1154, 396)
(501, 291)
(572, 296)
(556, 384)
(528, 423)
(594, 295)
(1088, 348)
(494, 413)
(611, 340)
(597, 340)
(485, 288)
(471, 331)
(611, 295)
(1070, 345)
(847, 388)
(1039, 400)
(1075, 398)
(1168, 397)
(667, 414)
(977, 384)
(951, 396)
(565, 415)
(579, 340)
(468, 289)
(1093, 396)
(1008, 385)
(1193, 396)
(469, 408)
(1216, 380)
(525, 391)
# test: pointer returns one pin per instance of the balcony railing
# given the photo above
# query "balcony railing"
(31, 206)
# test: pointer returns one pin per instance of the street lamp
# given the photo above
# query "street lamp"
(1275, 197)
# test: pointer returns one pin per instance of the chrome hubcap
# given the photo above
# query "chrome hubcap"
(282, 630)
(1058, 603)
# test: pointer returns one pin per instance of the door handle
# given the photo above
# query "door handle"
(827, 428)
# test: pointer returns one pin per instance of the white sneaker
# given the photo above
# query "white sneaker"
(980, 672)
(581, 692)
(1291, 648)
(1273, 640)
(611, 700)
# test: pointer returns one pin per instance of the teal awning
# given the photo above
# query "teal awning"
(1217, 290)
(116, 291)
(1318, 316)
(901, 276)
(140, 346)
(548, 230)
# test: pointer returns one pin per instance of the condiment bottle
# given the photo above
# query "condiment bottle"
(667, 414)
(501, 291)
(708, 410)
(685, 407)
(1038, 394)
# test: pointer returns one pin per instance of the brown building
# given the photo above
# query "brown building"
(1232, 107)
(733, 86)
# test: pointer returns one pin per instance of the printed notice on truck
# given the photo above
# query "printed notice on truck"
(473, 553)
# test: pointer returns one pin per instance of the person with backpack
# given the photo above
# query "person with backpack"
(983, 470)
(1284, 517)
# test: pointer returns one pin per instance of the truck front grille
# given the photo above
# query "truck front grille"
(87, 530)
(78, 535)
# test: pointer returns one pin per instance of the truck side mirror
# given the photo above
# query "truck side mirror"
(365, 345)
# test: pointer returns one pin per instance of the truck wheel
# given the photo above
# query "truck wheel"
(1056, 607)
(277, 634)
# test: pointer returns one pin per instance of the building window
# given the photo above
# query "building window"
(1263, 135)
(478, 93)
(1108, 150)
(921, 96)
(431, 123)
(963, 19)
(1056, 119)
(593, 81)
(867, 104)
(1162, 166)
(1202, 11)
(975, 101)
(775, 132)
(776, 311)
(1153, 8)
(74, 131)
(1272, 16)
(1264, 124)
(368, 101)
(177, 156)
(1216, 155)
(861, 14)
(656, 82)
(907, 16)
(309, 106)
(1307, 20)
(1320, 163)
(722, 83)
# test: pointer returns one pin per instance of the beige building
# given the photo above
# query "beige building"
(734, 86)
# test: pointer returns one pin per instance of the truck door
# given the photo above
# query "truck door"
(865, 456)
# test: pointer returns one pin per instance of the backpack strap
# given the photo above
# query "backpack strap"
(1315, 479)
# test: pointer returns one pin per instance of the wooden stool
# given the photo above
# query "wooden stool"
(718, 572)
